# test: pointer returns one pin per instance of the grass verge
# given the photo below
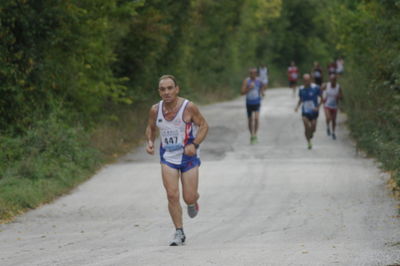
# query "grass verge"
(374, 122)
(47, 161)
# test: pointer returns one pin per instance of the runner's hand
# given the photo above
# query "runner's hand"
(150, 147)
(190, 150)
(296, 109)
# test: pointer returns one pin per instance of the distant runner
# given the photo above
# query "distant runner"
(308, 99)
(340, 66)
(253, 88)
(317, 74)
(182, 129)
(293, 74)
(263, 74)
(332, 93)
(332, 67)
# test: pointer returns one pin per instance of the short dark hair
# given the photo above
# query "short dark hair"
(253, 69)
(168, 77)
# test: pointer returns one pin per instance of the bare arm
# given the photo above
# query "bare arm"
(323, 88)
(264, 87)
(298, 105)
(340, 93)
(198, 119)
(245, 89)
(321, 100)
(151, 129)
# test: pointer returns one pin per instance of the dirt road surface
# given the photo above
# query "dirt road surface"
(274, 203)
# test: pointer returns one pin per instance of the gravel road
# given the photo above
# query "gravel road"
(274, 203)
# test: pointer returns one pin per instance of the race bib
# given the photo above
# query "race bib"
(171, 140)
(253, 94)
(317, 74)
(293, 75)
(308, 106)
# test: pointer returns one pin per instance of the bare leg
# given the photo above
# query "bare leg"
(256, 122)
(170, 178)
(328, 118)
(333, 126)
(190, 184)
(313, 127)
(307, 128)
(334, 122)
(294, 90)
(250, 124)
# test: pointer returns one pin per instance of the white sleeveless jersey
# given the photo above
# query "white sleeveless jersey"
(175, 134)
(331, 95)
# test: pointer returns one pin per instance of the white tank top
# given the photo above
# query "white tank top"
(331, 95)
(174, 134)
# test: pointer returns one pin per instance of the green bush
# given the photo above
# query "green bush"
(369, 35)
(45, 162)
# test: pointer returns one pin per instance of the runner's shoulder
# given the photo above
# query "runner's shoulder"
(191, 107)
(154, 109)
(315, 86)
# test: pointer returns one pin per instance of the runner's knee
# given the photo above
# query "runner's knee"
(173, 195)
(190, 197)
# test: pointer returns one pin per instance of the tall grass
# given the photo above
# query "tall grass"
(47, 161)
(373, 119)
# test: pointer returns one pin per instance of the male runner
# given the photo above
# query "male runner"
(317, 74)
(340, 66)
(332, 67)
(182, 129)
(331, 96)
(293, 74)
(254, 90)
(308, 98)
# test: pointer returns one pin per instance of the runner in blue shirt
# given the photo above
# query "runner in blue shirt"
(253, 88)
(308, 99)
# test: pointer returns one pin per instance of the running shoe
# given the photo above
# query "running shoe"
(193, 210)
(255, 140)
(309, 145)
(333, 136)
(179, 238)
(328, 131)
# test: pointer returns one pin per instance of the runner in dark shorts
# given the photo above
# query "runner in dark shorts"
(253, 88)
(308, 99)
(252, 108)
(317, 74)
(293, 73)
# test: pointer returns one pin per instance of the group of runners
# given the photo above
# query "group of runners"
(182, 129)
(312, 94)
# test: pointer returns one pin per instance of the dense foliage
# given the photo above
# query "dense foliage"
(76, 73)
(369, 35)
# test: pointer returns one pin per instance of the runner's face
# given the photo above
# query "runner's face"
(307, 80)
(253, 74)
(167, 90)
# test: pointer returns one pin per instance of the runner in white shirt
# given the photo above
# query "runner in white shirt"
(263, 74)
(340, 66)
(182, 129)
(332, 94)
